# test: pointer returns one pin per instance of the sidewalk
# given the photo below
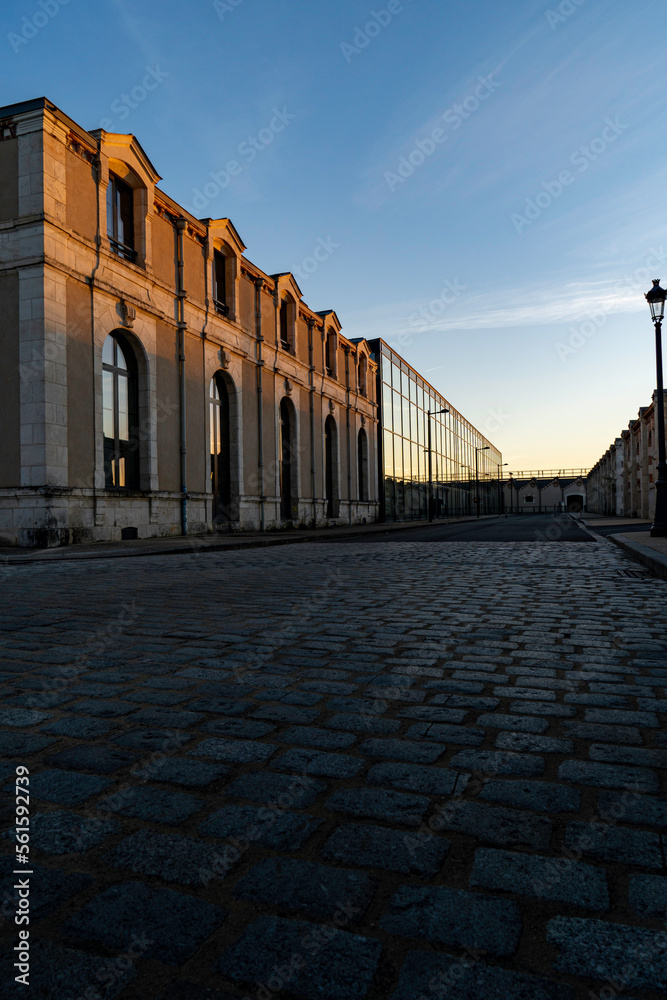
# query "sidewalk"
(651, 552)
(212, 543)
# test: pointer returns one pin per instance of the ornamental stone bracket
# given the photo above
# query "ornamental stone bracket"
(127, 313)
(225, 358)
(288, 387)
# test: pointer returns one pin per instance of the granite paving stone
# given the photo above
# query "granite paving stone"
(66, 788)
(429, 976)
(587, 772)
(172, 925)
(497, 825)
(647, 895)
(406, 852)
(614, 843)
(604, 951)
(560, 880)
(237, 751)
(59, 973)
(62, 832)
(455, 918)
(416, 778)
(317, 962)
(498, 762)
(274, 828)
(100, 759)
(305, 887)
(634, 808)
(172, 857)
(542, 796)
(380, 803)
(318, 763)
(287, 791)
(155, 805)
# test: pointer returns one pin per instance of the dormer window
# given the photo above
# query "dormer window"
(220, 283)
(120, 218)
(287, 323)
(362, 372)
(330, 354)
(284, 329)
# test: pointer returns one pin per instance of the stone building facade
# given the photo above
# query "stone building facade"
(545, 491)
(622, 482)
(155, 381)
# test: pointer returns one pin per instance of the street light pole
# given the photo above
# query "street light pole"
(500, 466)
(656, 300)
(477, 451)
(429, 414)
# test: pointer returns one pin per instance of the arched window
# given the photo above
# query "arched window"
(287, 450)
(220, 448)
(119, 396)
(362, 459)
(331, 466)
(363, 371)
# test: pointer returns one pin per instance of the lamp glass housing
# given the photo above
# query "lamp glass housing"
(656, 300)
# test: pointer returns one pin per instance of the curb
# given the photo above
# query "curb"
(655, 561)
(201, 543)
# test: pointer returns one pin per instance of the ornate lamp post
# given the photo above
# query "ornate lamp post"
(431, 413)
(656, 300)
(477, 451)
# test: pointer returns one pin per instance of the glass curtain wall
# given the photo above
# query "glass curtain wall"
(405, 401)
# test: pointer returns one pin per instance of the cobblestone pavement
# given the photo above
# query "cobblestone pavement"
(340, 773)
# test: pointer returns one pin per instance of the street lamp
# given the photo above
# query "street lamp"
(477, 451)
(431, 413)
(656, 300)
(500, 493)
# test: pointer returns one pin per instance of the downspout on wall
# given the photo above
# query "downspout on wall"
(259, 284)
(347, 417)
(180, 312)
(97, 165)
(311, 393)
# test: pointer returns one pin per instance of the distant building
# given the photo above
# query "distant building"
(545, 491)
(622, 482)
(405, 399)
(154, 380)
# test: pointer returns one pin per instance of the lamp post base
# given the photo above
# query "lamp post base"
(659, 526)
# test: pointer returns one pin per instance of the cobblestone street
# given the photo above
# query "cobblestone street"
(341, 771)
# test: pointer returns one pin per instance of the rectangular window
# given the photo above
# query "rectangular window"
(220, 282)
(120, 219)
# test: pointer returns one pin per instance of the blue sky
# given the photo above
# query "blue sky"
(487, 179)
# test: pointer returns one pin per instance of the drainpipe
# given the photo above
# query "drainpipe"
(311, 393)
(181, 324)
(259, 284)
(347, 418)
(97, 165)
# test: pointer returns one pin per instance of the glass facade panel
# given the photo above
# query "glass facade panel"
(457, 487)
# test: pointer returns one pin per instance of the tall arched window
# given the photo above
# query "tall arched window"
(220, 448)
(287, 464)
(362, 459)
(331, 466)
(119, 395)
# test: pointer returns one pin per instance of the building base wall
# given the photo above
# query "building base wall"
(52, 517)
